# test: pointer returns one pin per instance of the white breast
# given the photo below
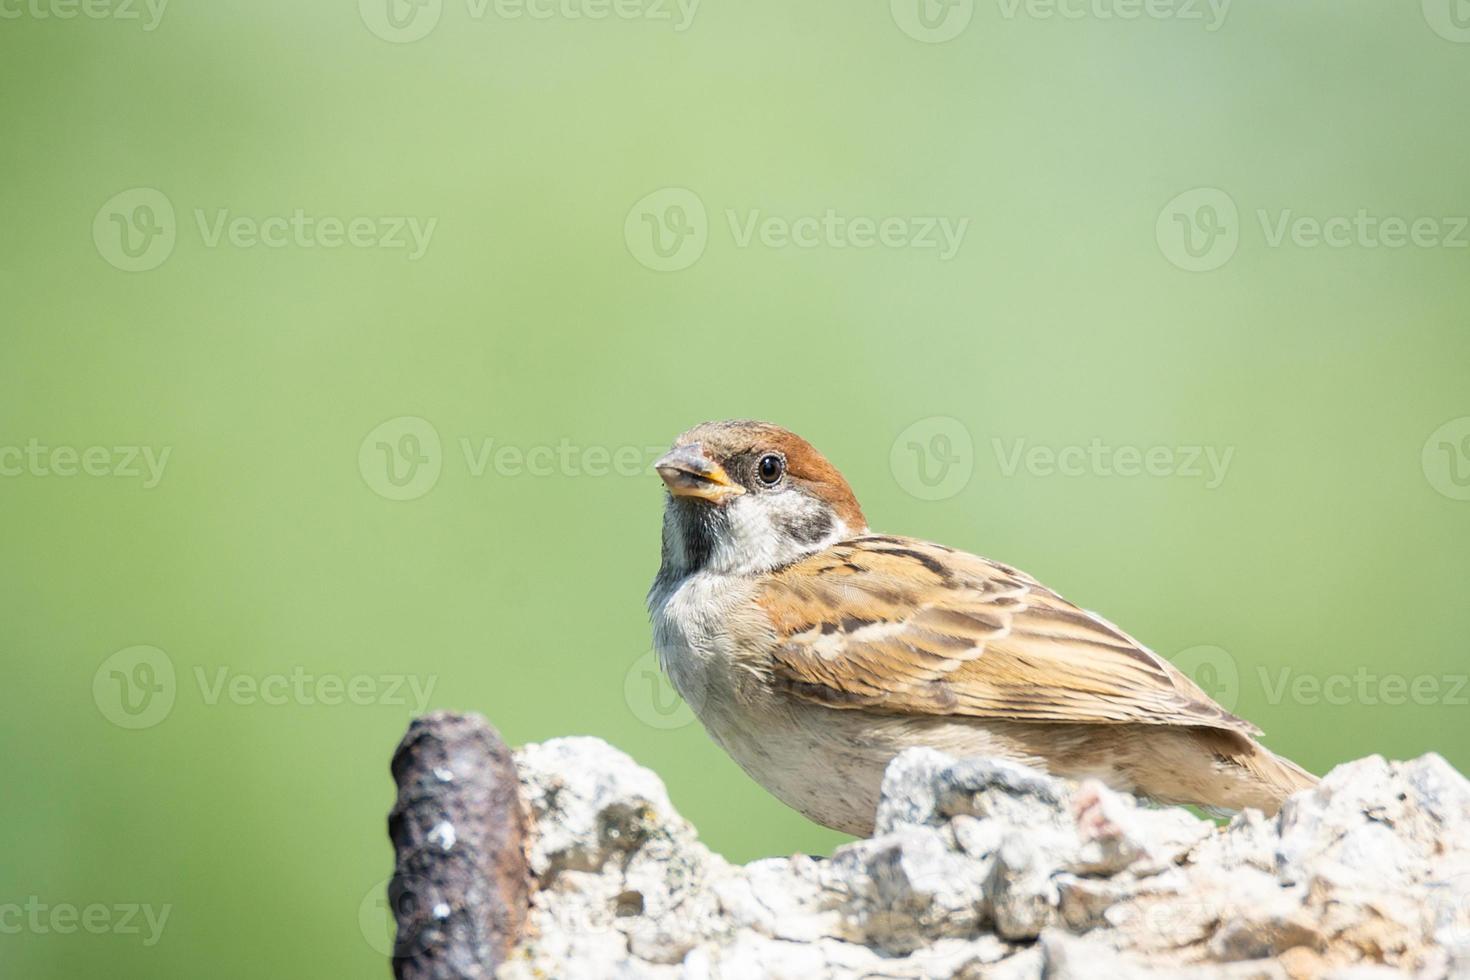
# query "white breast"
(816, 760)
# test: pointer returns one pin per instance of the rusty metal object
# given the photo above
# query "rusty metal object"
(461, 885)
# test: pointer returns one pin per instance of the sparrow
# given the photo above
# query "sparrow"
(814, 650)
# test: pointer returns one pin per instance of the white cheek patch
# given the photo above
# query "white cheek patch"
(758, 540)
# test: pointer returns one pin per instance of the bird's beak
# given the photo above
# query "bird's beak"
(688, 472)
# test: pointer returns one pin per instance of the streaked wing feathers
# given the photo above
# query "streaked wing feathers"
(899, 625)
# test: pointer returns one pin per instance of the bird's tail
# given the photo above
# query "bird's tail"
(1268, 779)
(1220, 771)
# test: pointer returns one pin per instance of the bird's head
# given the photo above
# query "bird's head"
(745, 497)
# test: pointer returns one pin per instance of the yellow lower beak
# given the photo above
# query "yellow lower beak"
(688, 472)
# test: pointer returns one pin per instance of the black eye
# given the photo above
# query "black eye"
(770, 469)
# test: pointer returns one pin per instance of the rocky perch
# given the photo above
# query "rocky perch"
(977, 869)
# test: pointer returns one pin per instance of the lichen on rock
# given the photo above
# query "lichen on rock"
(989, 869)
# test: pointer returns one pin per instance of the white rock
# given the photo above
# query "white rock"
(990, 870)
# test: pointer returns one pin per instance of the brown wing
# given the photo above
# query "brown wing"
(924, 629)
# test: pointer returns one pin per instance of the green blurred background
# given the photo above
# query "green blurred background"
(1334, 546)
